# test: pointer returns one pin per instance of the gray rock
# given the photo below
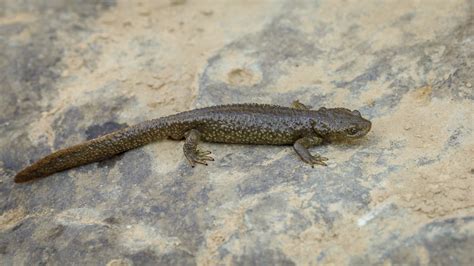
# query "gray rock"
(403, 195)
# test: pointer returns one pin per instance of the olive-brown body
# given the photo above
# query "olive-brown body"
(237, 123)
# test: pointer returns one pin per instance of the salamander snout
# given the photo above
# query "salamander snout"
(359, 129)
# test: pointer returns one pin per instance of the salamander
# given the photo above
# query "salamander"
(258, 124)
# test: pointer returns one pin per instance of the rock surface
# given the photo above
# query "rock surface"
(71, 71)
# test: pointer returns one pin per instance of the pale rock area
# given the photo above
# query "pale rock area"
(73, 70)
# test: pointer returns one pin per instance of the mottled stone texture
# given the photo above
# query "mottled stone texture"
(73, 70)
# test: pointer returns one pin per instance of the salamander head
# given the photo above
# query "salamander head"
(341, 124)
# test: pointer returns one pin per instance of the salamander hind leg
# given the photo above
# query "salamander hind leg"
(191, 150)
(301, 147)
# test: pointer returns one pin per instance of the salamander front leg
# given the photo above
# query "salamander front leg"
(191, 151)
(298, 105)
(301, 147)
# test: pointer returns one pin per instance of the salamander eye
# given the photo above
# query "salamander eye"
(352, 131)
